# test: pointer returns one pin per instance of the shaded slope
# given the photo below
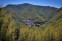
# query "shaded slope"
(40, 14)
(45, 12)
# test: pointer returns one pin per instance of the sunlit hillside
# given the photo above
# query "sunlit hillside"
(27, 22)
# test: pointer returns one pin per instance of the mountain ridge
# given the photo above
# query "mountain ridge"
(28, 11)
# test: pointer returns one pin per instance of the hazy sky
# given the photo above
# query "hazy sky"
(53, 3)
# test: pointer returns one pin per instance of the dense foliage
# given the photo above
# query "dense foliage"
(14, 28)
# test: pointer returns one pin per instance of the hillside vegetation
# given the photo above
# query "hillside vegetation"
(27, 22)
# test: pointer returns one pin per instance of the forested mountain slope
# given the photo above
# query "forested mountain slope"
(27, 22)
(29, 12)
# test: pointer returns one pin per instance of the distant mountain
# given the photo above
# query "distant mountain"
(27, 22)
(29, 12)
